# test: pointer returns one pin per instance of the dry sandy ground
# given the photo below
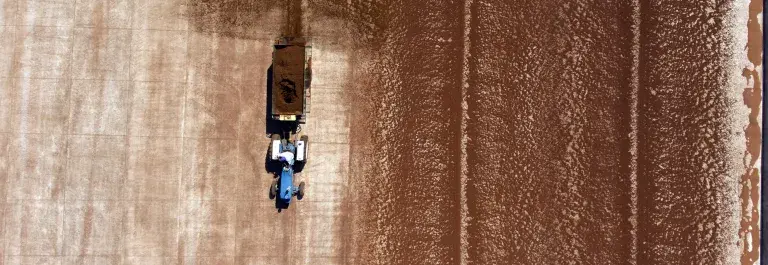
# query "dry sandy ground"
(132, 132)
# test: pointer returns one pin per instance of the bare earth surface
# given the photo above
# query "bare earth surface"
(441, 132)
(133, 132)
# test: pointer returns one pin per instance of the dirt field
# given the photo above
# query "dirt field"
(442, 132)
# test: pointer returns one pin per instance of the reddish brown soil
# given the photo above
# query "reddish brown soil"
(683, 132)
(548, 105)
(548, 129)
(405, 103)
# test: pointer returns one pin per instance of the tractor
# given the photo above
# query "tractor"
(288, 156)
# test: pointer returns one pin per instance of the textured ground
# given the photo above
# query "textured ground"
(133, 132)
(442, 132)
(560, 132)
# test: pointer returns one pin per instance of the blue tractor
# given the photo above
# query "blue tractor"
(287, 158)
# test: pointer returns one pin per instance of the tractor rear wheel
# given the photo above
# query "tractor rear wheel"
(273, 189)
(301, 191)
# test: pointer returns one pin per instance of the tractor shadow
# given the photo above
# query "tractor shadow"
(280, 205)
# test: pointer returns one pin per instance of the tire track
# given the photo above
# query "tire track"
(633, 114)
(464, 139)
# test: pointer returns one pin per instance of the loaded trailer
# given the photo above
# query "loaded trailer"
(291, 79)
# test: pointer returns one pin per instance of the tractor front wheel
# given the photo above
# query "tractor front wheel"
(301, 191)
(273, 189)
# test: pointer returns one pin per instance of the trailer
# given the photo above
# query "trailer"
(291, 79)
